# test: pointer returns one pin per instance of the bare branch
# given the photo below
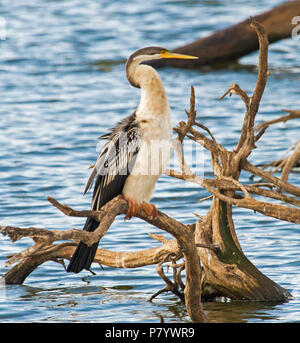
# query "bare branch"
(291, 161)
(261, 128)
(170, 286)
(271, 178)
(235, 89)
(117, 206)
(191, 114)
(68, 211)
(207, 130)
(246, 141)
(293, 115)
(207, 143)
(229, 186)
(262, 70)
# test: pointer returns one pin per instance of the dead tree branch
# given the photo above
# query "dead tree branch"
(241, 278)
(183, 234)
(290, 162)
(293, 115)
(170, 286)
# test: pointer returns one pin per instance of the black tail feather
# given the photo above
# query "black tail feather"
(84, 255)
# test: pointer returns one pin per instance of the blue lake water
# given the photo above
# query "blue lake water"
(62, 85)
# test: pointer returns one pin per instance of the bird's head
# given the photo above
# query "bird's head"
(155, 53)
(148, 54)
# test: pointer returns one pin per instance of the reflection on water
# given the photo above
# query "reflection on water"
(239, 312)
(63, 84)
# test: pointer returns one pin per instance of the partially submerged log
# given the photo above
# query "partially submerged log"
(227, 271)
(234, 42)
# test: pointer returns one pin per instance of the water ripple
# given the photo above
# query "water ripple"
(63, 84)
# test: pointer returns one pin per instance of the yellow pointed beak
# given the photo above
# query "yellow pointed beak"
(168, 54)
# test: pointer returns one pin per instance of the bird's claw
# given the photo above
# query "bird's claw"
(134, 207)
(150, 209)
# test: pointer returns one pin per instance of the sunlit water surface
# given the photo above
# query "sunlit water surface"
(62, 85)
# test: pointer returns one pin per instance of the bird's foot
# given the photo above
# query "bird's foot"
(133, 208)
(150, 209)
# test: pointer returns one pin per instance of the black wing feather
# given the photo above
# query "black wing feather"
(112, 168)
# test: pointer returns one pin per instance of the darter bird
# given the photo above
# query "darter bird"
(131, 160)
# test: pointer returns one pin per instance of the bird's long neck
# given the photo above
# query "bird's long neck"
(154, 100)
(153, 95)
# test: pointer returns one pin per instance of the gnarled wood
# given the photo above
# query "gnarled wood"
(39, 252)
(224, 269)
(227, 271)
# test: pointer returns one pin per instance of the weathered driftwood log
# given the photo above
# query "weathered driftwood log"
(238, 40)
(57, 252)
(43, 249)
(227, 271)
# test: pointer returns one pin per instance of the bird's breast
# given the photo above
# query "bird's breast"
(153, 157)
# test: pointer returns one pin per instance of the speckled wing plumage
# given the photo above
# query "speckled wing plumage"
(115, 161)
(111, 170)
